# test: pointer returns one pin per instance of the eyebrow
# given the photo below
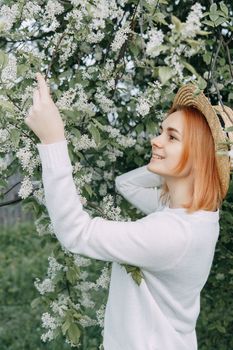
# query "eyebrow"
(170, 129)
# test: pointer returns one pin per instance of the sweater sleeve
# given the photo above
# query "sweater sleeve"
(141, 188)
(148, 242)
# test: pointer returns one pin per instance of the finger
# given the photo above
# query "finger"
(36, 98)
(42, 86)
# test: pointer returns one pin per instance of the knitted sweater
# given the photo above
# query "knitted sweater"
(174, 250)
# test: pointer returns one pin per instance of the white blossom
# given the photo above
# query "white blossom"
(66, 99)
(76, 17)
(53, 8)
(60, 306)
(101, 163)
(111, 212)
(86, 301)
(100, 316)
(9, 73)
(30, 9)
(113, 154)
(104, 279)
(26, 187)
(143, 106)
(86, 321)
(82, 103)
(156, 38)
(95, 37)
(113, 132)
(125, 141)
(4, 135)
(40, 196)
(9, 15)
(80, 261)
(46, 286)
(4, 163)
(49, 321)
(27, 160)
(103, 189)
(120, 37)
(54, 267)
(105, 103)
(48, 336)
(83, 179)
(77, 167)
(85, 143)
(193, 23)
(85, 286)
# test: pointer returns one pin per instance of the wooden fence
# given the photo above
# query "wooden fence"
(13, 213)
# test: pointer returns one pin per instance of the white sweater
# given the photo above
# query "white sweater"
(174, 250)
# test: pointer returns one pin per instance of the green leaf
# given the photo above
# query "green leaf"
(165, 73)
(177, 23)
(7, 105)
(135, 272)
(3, 183)
(220, 20)
(35, 302)
(15, 136)
(103, 143)
(229, 129)
(22, 69)
(88, 189)
(190, 67)
(213, 8)
(224, 8)
(214, 16)
(74, 333)
(201, 83)
(3, 59)
(207, 57)
(65, 326)
(95, 133)
(209, 23)
(76, 133)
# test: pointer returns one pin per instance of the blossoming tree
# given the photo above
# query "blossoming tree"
(113, 68)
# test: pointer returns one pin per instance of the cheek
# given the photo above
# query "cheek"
(175, 152)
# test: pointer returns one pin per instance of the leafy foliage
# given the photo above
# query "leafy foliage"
(113, 68)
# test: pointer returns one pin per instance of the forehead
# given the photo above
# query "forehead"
(175, 120)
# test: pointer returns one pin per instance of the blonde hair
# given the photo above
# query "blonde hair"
(198, 145)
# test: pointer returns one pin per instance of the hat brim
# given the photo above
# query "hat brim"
(187, 96)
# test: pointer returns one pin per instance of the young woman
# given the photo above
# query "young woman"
(180, 190)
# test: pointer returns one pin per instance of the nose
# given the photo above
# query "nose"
(155, 142)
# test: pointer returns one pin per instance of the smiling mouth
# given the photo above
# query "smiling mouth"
(156, 157)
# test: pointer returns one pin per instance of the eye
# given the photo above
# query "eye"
(172, 137)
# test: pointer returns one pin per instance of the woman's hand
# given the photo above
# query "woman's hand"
(44, 118)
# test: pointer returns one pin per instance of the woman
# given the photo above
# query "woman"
(173, 245)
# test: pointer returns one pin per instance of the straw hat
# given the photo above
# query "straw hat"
(218, 118)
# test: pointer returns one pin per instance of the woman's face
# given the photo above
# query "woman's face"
(169, 145)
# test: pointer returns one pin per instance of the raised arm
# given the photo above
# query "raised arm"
(148, 242)
(140, 187)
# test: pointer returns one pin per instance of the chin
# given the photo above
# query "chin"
(151, 168)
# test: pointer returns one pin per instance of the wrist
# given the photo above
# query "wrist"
(53, 140)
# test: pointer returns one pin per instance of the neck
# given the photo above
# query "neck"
(180, 190)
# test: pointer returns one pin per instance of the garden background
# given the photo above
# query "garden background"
(113, 68)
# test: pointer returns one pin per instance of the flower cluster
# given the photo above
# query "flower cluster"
(9, 73)
(9, 16)
(193, 22)
(120, 37)
(156, 38)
